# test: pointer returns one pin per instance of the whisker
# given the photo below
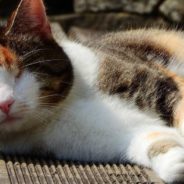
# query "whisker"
(39, 118)
(47, 110)
(39, 73)
(20, 110)
(32, 52)
(63, 82)
(41, 62)
(48, 106)
(41, 97)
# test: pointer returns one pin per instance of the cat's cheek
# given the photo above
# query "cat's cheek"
(27, 90)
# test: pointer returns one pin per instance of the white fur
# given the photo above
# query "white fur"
(90, 126)
(170, 166)
(96, 127)
(24, 91)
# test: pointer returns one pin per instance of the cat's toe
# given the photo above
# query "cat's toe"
(170, 165)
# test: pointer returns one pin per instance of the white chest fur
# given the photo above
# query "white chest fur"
(92, 126)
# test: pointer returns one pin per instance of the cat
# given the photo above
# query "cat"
(117, 98)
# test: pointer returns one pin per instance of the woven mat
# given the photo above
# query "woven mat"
(25, 170)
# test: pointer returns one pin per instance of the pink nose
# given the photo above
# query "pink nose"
(6, 105)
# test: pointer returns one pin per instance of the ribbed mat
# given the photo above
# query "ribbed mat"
(21, 170)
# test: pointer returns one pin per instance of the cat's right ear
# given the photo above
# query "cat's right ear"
(29, 18)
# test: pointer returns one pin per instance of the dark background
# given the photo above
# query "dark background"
(108, 15)
(53, 6)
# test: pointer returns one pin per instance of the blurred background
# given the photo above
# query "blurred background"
(110, 15)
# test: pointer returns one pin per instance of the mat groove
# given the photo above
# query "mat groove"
(26, 170)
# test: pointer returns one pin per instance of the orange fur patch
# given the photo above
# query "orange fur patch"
(157, 134)
(8, 55)
(9, 60)
(161, 147)
(153, 135)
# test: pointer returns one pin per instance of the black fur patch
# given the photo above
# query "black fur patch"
(164, 103)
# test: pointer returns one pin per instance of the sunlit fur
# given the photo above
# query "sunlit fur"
(116, 98)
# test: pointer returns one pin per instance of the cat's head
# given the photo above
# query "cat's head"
(35, 74)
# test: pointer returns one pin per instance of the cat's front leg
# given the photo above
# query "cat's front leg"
(161, 149)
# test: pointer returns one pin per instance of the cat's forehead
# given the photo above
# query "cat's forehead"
(20, 44)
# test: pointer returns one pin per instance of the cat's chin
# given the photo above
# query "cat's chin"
(11, 120)
(12, 125)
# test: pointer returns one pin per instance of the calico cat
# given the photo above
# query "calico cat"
(119, 97)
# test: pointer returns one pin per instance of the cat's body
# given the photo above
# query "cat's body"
(118, 98)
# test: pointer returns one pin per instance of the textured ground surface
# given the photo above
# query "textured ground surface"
(21, 170)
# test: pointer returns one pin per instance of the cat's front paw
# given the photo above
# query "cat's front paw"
(170, 165)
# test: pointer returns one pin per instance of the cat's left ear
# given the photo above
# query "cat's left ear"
(29, 18)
